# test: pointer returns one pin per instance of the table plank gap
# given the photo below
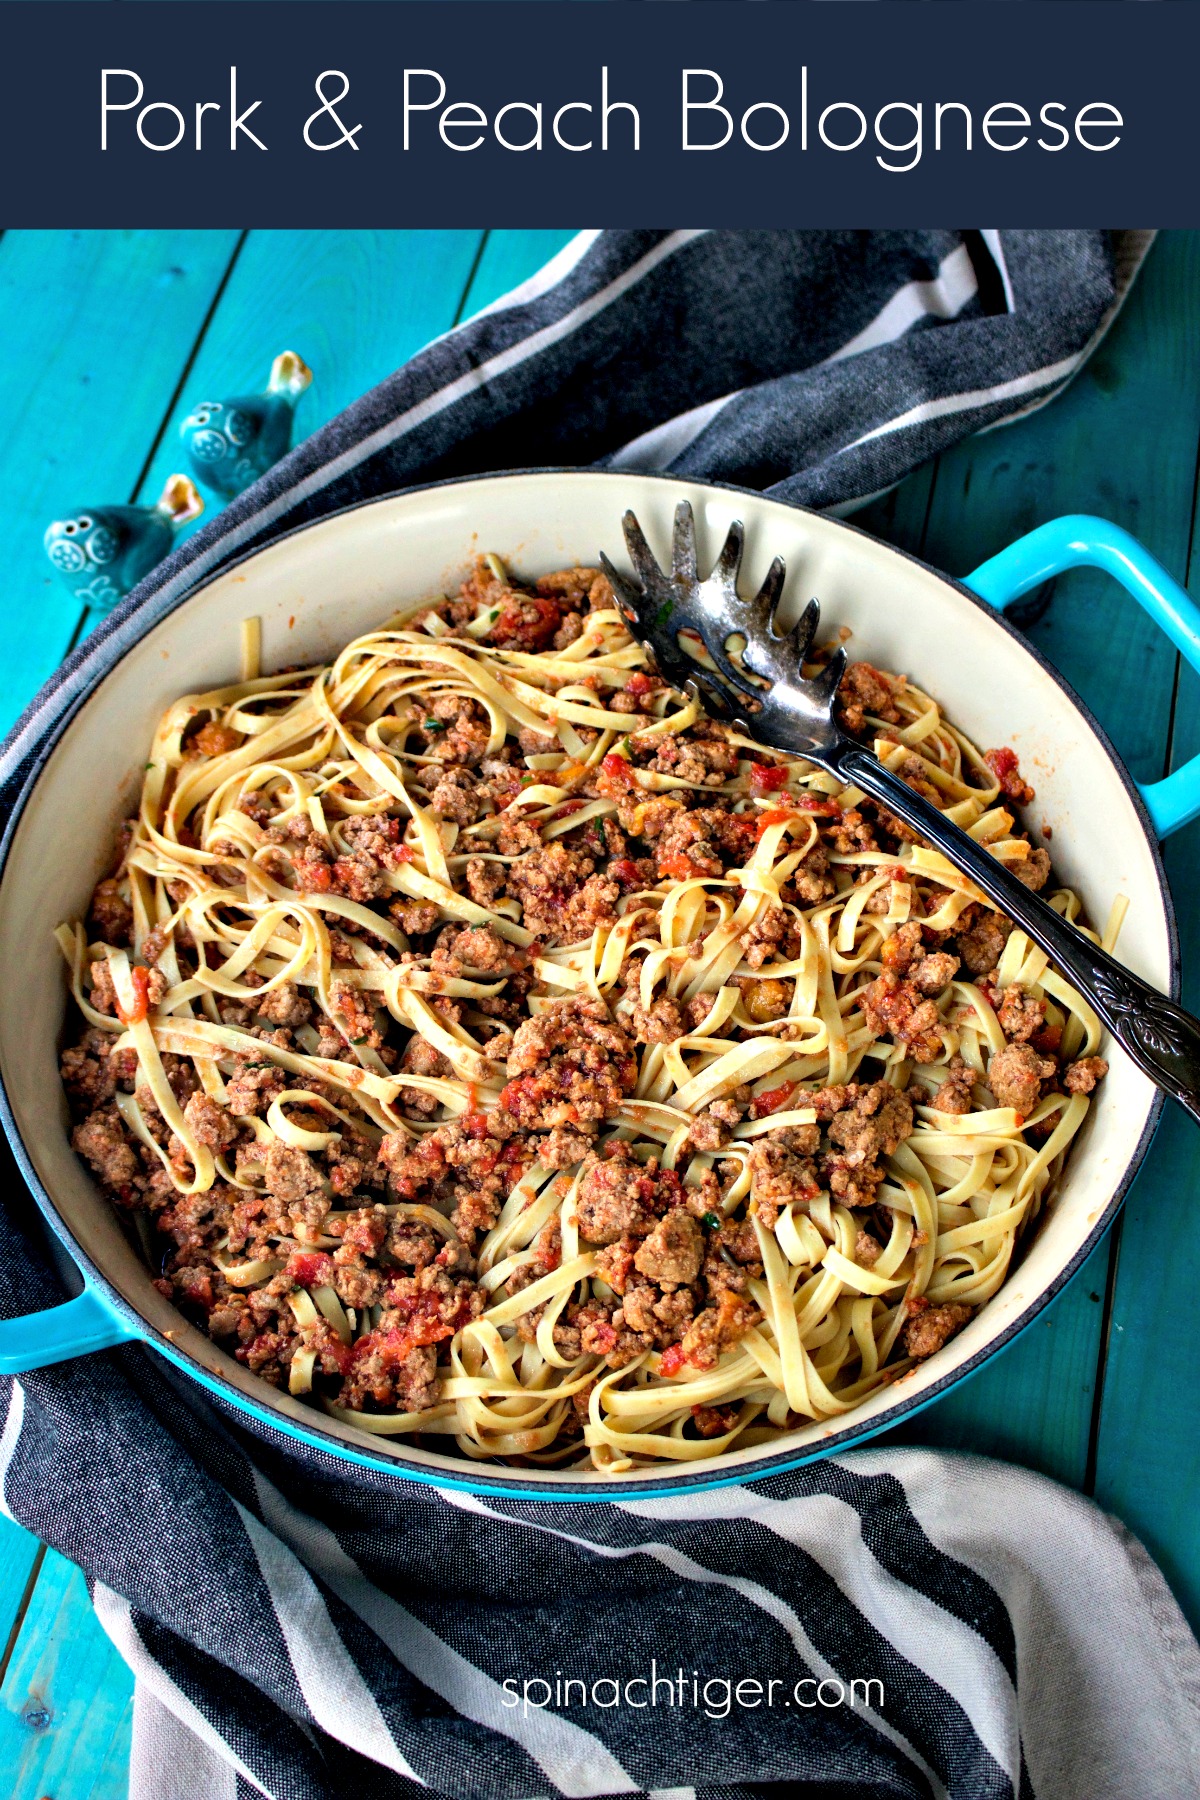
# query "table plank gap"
(26, 1594)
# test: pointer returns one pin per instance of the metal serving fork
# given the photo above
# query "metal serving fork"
(786, 711)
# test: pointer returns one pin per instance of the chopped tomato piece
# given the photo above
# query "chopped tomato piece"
(772, 1100)
(823, 804)
(768, 778)
(310, 1268)
(776, 816)
(678, 866)
(618, 768)
(623, 870)
(141, 1002)
(671, 1360)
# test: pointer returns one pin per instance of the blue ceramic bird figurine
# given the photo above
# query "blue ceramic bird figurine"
(230, 443)
(102, 552)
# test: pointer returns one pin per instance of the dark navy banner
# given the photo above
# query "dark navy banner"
(513, 112)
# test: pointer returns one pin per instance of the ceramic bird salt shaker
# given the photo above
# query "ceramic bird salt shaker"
(230, 443)
(102, 552)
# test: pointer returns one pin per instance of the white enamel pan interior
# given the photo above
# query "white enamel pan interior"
(329, 582)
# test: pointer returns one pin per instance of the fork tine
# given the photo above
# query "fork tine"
(728, 564)
(766, 601)
(683, 547)
(640, 554)
(830, 678)
(805, 628)
(624, 592)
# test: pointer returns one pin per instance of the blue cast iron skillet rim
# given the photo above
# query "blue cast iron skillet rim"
(683, 1480)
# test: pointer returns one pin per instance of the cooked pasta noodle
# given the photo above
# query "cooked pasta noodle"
(502, 1053)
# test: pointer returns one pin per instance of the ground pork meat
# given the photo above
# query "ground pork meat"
(457, 797)
(658, 1318)
(865, 689)
(980, 938)
(851, 832)
(422, 1058)
(1033, 870)
(867, 1249)
(772, 936)
(561, 1148)
(103, 1140)
(290, 1173)
(904, 954)
(458, 729)
(562, 898)
(954, 1094)
(933, 1326)
(358, 1013)
(1015, 1075)
(622, 1197)
(690, 758)
(285, 1005)
(486, 879)
(783, 1171)
(713, 1128)
(103, 994)
(569, 1065)
(482, 948)
(717, 1329)
(405, 1382)
(812, 880)
(253, 1087)
(211, 1124)
(893, 1007)
(715, 1421)
(1021, 1014)
(415, 917)
(870, 1124)
(580, 590)
(1081, 1077)
(701, 842)
(659, 1023)
(110, 916)
(92, 1071)
(674, 1250)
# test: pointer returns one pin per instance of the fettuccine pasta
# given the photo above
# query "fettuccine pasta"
(492, 1049)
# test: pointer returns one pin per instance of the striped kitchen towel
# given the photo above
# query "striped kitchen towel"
(887, 1623)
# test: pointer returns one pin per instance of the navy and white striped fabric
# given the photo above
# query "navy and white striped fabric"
(890, 1623)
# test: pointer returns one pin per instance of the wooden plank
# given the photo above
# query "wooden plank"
(1147, 1454)
(353, 304)
(97, 328)
(66, 1700)
(510, 257)
(1121, 442)
(18, 1564)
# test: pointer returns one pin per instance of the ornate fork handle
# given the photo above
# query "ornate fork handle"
(1162, 1039)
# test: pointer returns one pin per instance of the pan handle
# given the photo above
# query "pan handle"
(1078, 540)
(75, 1328)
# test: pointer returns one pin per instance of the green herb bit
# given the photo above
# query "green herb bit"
(664, 612)
(433, 725)
(711, 1220)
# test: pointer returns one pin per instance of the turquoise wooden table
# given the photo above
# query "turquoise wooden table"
(105, 338)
